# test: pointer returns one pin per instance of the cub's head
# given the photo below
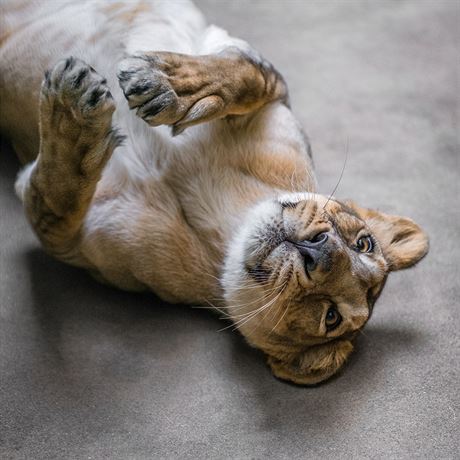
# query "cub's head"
(302, 276)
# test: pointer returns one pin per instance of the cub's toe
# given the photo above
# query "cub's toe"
(147, 89)
(76, 86)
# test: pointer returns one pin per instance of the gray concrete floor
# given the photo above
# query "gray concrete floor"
(87, 371)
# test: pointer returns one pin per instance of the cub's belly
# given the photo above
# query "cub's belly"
(139, 237)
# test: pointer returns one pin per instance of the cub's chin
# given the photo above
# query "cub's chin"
(315, 365)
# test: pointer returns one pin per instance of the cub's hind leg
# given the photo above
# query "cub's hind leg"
(76, 140)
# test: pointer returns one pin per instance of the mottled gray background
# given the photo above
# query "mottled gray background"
(90, 372)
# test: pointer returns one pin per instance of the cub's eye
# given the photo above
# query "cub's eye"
(365, 244)
(333, 319)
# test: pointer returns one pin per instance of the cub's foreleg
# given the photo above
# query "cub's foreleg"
(183, 90)
(76, 140)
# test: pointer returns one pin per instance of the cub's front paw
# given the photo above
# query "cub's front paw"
(74, 94)
(147, 89)
(171, 89)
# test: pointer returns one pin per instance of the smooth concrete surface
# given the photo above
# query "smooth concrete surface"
(90, 372)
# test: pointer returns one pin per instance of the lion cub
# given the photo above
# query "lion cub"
(184, 171)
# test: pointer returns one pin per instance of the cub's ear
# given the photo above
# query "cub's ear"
(402, 241)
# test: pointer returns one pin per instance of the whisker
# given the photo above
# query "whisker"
(282, 316)
(243, 321)
(241, 306)
(254, 285)
(212, 276)
(288, 274)
(282, 286)
(287, 278)
(341, 175)
(266, 314)
(265, 294)
(210, 307)
(256, 300)
(252, 314)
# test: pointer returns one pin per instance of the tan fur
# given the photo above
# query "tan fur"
(209, 210)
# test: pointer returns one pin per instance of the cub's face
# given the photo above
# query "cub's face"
(303, 274)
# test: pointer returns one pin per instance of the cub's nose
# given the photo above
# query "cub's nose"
(311, 250)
